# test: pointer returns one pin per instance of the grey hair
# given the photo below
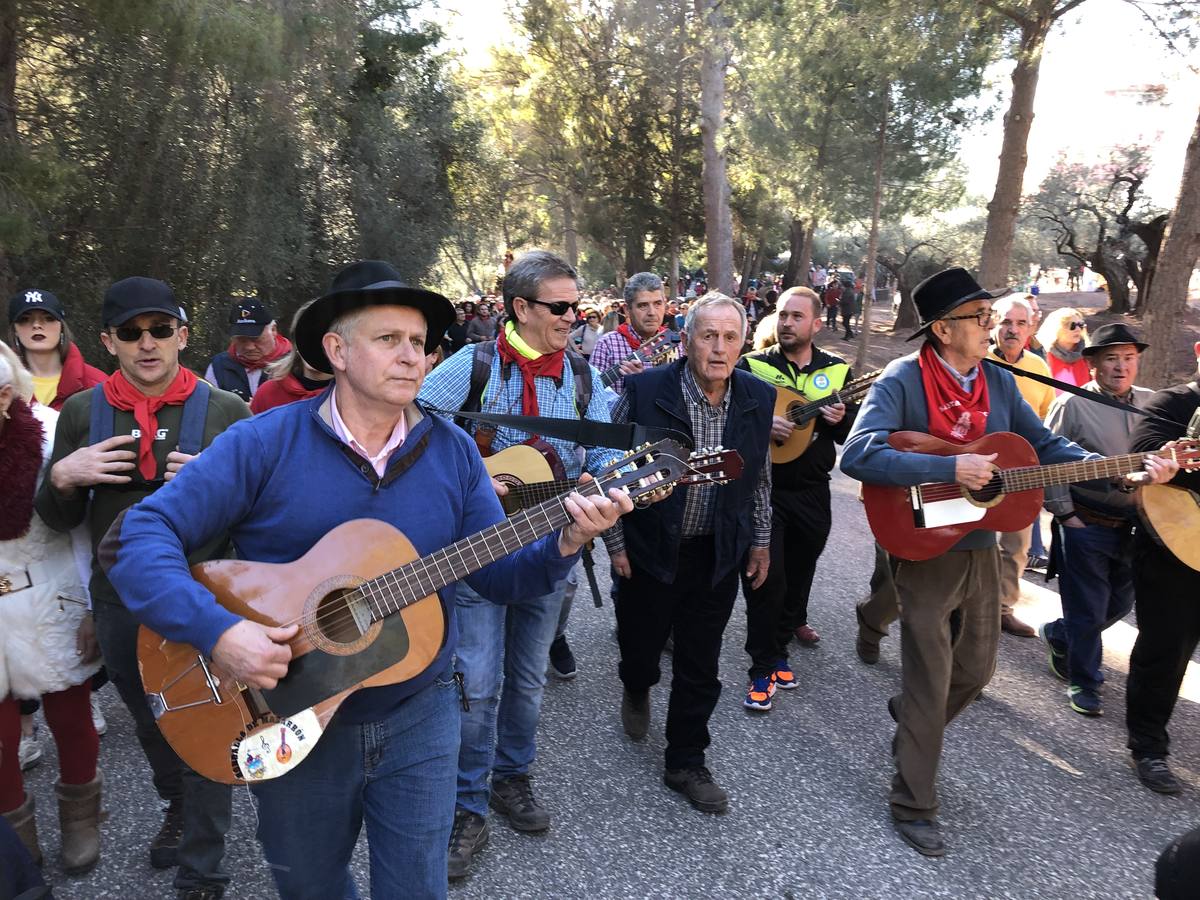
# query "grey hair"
(711, 299)
(642, 281)
(527, 273)
(12, 372)
(1004, 304)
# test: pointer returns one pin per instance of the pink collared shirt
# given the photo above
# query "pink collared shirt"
(380, 460)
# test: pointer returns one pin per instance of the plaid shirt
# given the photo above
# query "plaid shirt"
(708, 430)
(610, 350)
(446, 388)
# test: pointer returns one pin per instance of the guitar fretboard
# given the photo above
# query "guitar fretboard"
(1029, 477)
(847, 394)
(394, 590)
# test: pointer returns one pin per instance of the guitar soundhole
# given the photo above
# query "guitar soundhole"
(338, 617)
(989, 492)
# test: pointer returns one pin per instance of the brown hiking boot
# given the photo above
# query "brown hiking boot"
(698, 786)
(164, 849)
(79, 817)
(25, 825)
(635, 714)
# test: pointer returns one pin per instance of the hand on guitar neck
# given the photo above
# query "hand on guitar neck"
(258, 655)
(782, 428)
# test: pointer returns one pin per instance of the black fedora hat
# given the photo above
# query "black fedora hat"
(944, 291)
(367, 283)
(1112, 334)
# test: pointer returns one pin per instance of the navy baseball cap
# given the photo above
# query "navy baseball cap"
(35, 298)
(131, 297)
(248, 316)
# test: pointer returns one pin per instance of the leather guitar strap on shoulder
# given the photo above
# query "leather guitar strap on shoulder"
(1079, 392)
(586, 432)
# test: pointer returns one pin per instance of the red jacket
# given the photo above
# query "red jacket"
(76, 376)
(279, 391)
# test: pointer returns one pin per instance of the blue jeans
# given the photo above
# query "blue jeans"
(501, 646)
(397, 775)
(1095, 577)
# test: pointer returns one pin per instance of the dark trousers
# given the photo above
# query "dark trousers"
(696, 611)
(847, 313)
(1168, 620)
(800, 526)
(206, 804)
(831, 314)
(1095, 577)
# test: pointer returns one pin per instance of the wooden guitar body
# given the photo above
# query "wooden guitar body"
(925, 521)
(1172, 514)
(234, 734)
(523, 464)
(787, 400)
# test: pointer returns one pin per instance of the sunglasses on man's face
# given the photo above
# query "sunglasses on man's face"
(131, 333)
(558, 307)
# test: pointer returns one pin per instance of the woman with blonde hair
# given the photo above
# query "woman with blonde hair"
(47, 639)
(1064, 335)
(764, 333)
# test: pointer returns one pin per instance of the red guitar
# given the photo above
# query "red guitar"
(926, 520)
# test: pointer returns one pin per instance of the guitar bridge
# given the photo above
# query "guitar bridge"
(918, 506)
(160, 705)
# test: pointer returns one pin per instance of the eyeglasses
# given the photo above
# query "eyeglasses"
(984, 318)
(131, 333)
(558, 307)
(1075, 326)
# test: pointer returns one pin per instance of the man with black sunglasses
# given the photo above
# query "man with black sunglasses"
(527, 370)
(116, 444)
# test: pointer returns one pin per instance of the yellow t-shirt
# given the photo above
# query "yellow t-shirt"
(45, 388)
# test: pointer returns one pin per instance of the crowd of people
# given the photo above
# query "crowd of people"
(119, 482)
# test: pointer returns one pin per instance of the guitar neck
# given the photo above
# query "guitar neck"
(612, 374)
(536, 492)
(394, 590)
(1029, 477)
(847, 394)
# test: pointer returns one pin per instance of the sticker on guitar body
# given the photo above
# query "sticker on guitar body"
(275, 748)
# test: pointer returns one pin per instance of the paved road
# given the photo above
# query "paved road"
(1037, 801)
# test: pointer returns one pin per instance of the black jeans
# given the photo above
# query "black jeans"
(800, 526)
(696, 611)
(206, 804)
(1168, 620)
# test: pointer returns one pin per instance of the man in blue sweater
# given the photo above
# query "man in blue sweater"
(949, 605)
(279, 482)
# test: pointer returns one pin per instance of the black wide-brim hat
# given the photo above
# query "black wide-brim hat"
(367, 283)
(946, 290)
(1111, 335)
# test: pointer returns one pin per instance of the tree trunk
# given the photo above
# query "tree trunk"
(806, 251)
(718, 222)
(8, 115)
(1151, 234)
(1117, 279)
(760, 257)
(1167, 295)
(674, 291)
(791, 275)
(1006, 201)
(864, 320)
(570, 235)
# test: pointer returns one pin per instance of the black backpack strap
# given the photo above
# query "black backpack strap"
(101, 424)
(195, 412)
(481, 371)
(582, 371)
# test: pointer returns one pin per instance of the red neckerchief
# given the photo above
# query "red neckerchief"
(549, 364)
(954, 415)
(632, 336)
(20, 462)
(123, 395)
(282, 347)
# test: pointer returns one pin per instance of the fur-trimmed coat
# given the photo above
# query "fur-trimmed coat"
(38, 625)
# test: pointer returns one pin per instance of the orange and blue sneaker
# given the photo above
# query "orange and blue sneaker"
(758, 697)
(785, 678)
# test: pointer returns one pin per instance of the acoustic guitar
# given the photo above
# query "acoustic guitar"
(1172, 515)
(797, 408)
(369, 616)
(926, 520)
(659, 349)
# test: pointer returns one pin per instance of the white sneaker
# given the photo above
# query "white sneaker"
(97, 715)
(30, 750)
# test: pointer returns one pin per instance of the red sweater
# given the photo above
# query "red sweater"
(76, 376)
(279, 391)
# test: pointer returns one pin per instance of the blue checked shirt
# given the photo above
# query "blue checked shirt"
(446, 388)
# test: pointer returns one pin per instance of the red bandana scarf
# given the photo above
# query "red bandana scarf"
(954, 415)
(123, 395)
(282, 347)
(548, 364)
(632, 336)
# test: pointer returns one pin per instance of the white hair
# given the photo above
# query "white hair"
(1005, 304)
(12, 372)
(709, 300)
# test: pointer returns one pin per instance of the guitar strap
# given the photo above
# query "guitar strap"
(588, 433)
(1079, 392)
